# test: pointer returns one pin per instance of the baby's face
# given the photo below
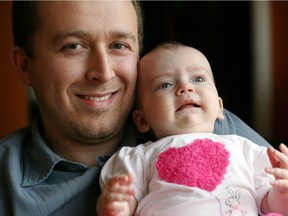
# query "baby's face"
(178, 92)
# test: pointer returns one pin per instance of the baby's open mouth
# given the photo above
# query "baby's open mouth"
(187, 106)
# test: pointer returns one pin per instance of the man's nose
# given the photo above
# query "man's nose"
(100, 68)
(185, 89)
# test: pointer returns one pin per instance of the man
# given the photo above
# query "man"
(81, 59)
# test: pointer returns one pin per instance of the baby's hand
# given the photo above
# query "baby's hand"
(117, 196)
(279, 161)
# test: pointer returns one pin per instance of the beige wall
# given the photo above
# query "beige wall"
(13, 94)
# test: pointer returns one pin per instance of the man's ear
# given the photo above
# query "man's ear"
(22, 65)
(221, 109)
(140, 121)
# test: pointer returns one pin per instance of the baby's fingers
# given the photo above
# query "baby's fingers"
(283, 148)
(281, 185)
(117, 208)
(121, 180)
(279, 158)
(281, 179)
(118, 189)
(118, 197)
(278, 173)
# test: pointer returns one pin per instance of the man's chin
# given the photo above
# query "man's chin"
(98, 133)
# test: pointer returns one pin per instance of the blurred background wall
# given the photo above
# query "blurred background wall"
(246, 43)
(14, 106)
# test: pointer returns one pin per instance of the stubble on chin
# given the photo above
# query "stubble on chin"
(97, 131)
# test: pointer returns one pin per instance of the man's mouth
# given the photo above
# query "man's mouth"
(94, 98)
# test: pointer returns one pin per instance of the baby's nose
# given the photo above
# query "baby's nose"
(185, 89)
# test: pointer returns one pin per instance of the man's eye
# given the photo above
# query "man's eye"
(74, 46)
(199, 79)
(166, 85)
(118, 46)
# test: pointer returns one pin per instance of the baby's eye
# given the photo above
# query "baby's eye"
(166, 85)
(198, 79)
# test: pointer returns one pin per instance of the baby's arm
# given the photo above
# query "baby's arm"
(117, 197)
(277, 198)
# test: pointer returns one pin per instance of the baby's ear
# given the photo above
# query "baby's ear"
(221, 109)
(140, 121)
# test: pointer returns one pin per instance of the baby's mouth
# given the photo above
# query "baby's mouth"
(187, 106)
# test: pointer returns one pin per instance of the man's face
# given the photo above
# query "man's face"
(84, 67)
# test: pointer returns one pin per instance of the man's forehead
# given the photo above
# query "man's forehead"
(102, 8)
(73, 21)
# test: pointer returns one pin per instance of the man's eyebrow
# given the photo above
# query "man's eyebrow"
(72, 34)
(83, 34)
(124, 35)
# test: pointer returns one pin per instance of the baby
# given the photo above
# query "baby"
(189, 170)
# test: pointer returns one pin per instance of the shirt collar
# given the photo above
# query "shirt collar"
(39, 160)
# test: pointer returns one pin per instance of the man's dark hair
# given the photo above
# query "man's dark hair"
(26, 21)
(137, 6)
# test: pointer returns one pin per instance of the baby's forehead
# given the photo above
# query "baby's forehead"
(176, 48)
(174, 57)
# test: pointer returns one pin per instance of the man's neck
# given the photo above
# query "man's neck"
(84, 153)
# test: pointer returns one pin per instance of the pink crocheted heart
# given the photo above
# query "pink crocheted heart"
(201, 163)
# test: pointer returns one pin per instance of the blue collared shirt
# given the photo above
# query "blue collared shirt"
(36, 181)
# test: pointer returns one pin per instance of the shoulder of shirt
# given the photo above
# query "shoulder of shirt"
(12, 145)
(233, 137)
(17, 137)
(241, 141)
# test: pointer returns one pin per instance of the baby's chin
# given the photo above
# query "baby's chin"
(187, 131)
